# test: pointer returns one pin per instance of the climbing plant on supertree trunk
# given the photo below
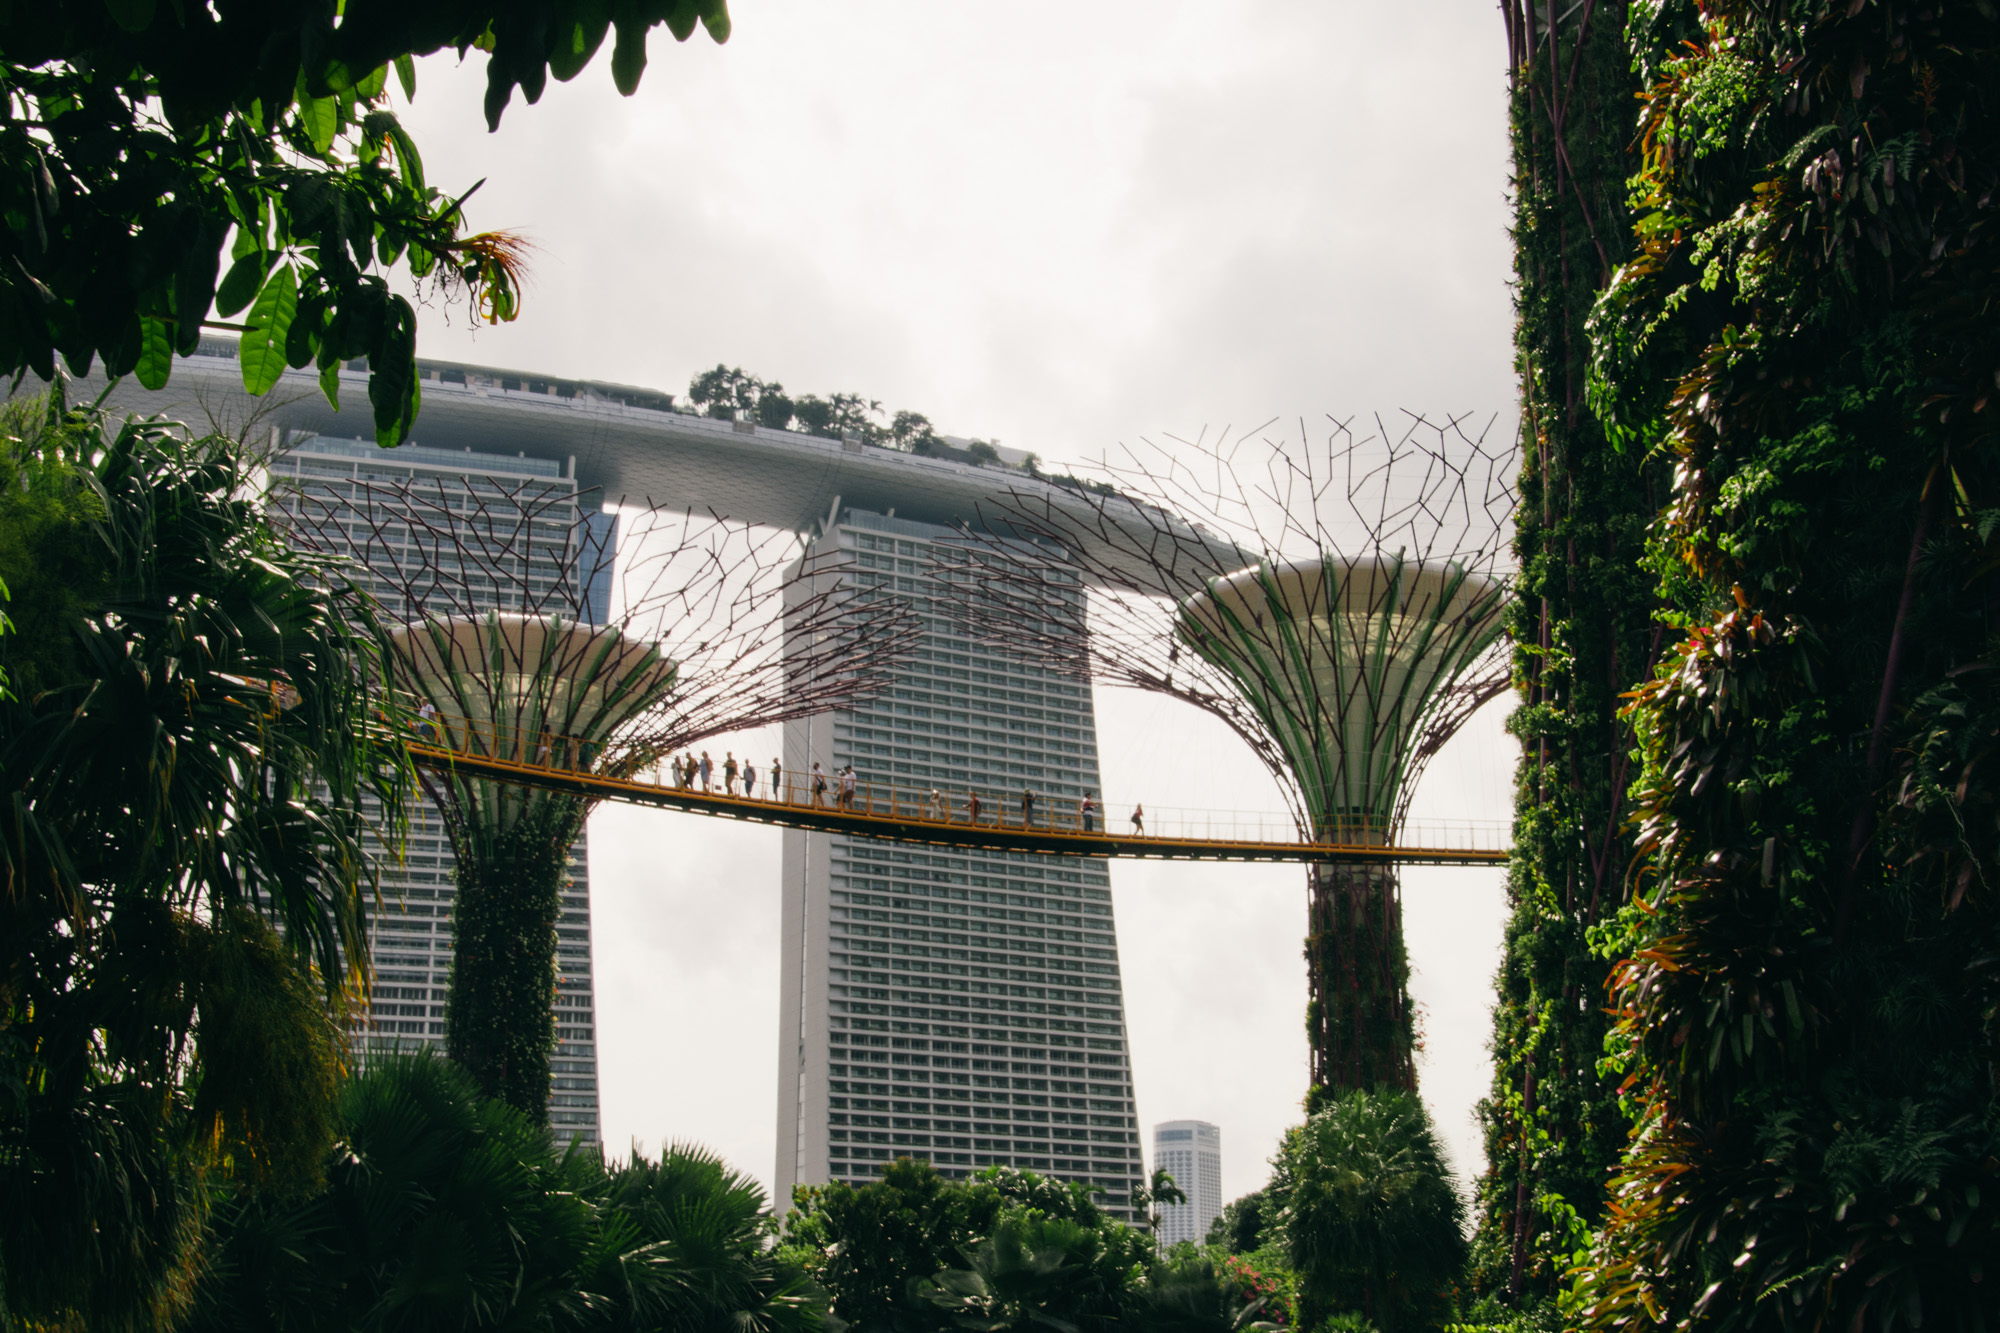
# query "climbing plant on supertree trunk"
(715, 627)
(1583, 631)
(1806, 981)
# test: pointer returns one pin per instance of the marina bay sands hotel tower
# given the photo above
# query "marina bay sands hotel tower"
(962, 1007)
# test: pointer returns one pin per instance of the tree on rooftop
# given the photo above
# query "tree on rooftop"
(139, 141)
(725, 391)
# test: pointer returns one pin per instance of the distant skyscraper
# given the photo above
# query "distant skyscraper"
(410, 938)
(960, 1006)
(1191, 1152)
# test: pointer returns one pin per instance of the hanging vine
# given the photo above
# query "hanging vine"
(1806, 981)
(1584, 633)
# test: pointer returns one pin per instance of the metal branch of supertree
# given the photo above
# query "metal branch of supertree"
(737, 626)
(1260, 580)
(1337, 602)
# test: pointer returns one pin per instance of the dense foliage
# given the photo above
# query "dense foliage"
(184, 759)
(510, 878)
(1243, 1224)
(444, 1209)
(1371, 1220)
(139, 140)
(1583, 635)
(1808, 985)
(915, 1252)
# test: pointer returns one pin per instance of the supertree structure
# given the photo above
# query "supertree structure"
(525, 627)
(1335, 602)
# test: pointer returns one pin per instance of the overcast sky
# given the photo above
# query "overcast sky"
(1060, 226)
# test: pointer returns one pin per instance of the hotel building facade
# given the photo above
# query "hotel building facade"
(1015, 1020)
(959, 1006)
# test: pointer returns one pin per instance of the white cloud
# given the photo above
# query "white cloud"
(1062, 226)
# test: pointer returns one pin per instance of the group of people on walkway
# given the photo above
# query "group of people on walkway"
(844, 784)
(686, 770)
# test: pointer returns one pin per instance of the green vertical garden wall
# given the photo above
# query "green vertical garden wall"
(1584, 634)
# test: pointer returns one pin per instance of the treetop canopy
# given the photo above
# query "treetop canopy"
(139, 139)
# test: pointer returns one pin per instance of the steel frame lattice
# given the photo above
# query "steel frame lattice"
(1335, 602)
(659, 631)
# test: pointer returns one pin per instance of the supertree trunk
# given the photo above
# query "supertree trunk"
(1358, 1016)
(499, 1022)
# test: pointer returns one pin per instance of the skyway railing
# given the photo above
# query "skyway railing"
(981, 817)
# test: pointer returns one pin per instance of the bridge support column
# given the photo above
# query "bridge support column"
(1358, 1014)
(499, 1023)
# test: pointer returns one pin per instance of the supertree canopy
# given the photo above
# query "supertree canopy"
(1335, 603)
(527, 629)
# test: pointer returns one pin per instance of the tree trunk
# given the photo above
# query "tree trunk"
(500, 1021)
(1359, 1017)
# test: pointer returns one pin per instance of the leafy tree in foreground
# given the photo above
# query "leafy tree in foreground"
(1370, 1218)
(1035, 1272)
(1810, 969)
(184, 763)
(140, 140)
(1158, 1192)
(445, 1209)
(867, 1245)
(914, 1252)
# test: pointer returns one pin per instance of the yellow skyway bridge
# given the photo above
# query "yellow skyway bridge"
(987, 820)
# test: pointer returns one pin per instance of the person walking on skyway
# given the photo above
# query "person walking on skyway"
(818, 785)
(972, 806)
(1087, 811)
(707, 772)
(934, 807)
(777, 780)
(1027, 807)
(749, 779)
(729, 769)
(847, 788)
(1139, 820)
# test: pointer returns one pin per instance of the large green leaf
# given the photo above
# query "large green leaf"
(392, 381)
(628, 55)
(156, 353)
(263, 352)
(131, 15)
(239, 285)
(321, 118)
